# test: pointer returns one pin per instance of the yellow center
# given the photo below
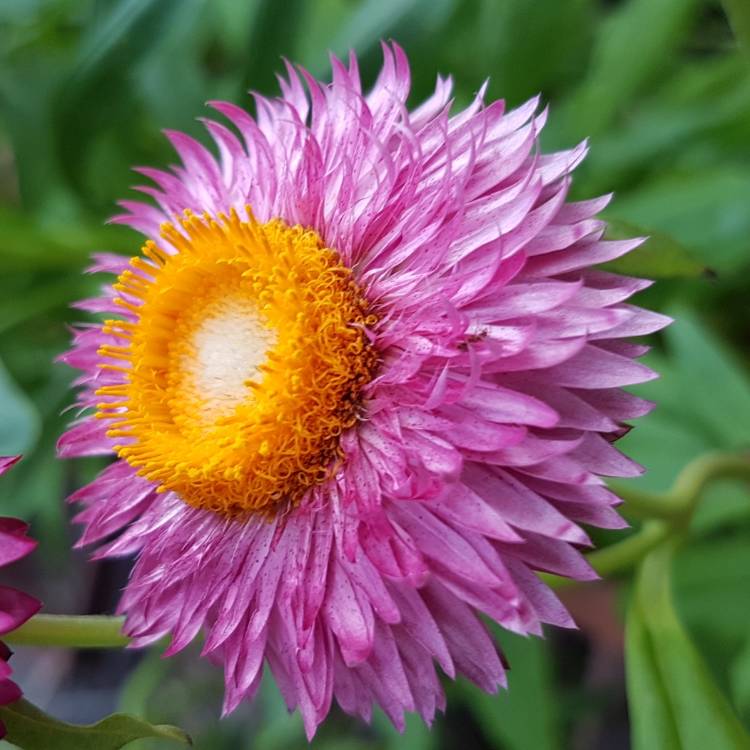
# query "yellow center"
(244, 365)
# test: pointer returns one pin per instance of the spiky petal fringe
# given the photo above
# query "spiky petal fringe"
(487, 430)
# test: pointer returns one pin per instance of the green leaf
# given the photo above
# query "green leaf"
(674, 702)
(143, 682)
(663, 443)
(696, 110)
(654, 28)
(416, 736)
(533, 47)
(268, 41)
(704, 362)
(25, 108)
(739, 15)
(711, 578)
(705, 208)
(129, 27)
(279, 730)
(660, 257)
(232, 21)
(504, 717)
(19, 420)
(26, 245)
(42, 297)
(693, 415)
(373, 20)
(32, 729)
(740, 679)
(173, 87)
(652, 723)
(98, 86)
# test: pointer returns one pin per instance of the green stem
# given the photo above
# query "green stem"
(644, 504)
(693, 479)
(679, 502)
(68, 631)
(620, 556)
(628, 552)
(668, 512)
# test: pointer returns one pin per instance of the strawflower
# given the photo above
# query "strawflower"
(361, 384)
(16, 607)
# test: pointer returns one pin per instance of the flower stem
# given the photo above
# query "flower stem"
(70, 631)
(620, 556)
(628, 552)
(679, 502)
(668, 513)
(692, 480)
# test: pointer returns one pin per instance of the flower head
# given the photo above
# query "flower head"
(15, 606)
(361, 384)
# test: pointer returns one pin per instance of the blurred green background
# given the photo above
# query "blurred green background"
(661, 87)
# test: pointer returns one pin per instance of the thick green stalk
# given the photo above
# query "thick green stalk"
(679, 502)
(70, 631)
(620, 556)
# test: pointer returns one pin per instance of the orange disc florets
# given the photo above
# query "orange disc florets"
(243, 362)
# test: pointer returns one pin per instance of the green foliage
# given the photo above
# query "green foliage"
(504, 717)
(660, 257)
(673, 699)
(657, 27)
(739, 14)
(19, 420)
(32, 729)
(717, 417)
(711, 578)
(740, 682)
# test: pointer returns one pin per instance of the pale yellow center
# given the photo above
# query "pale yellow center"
(244, 364)
(222, 354)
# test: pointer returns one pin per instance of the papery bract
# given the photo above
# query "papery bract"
(480, 441)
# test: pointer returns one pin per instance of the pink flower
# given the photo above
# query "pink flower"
(361, 392)
(15, 606)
